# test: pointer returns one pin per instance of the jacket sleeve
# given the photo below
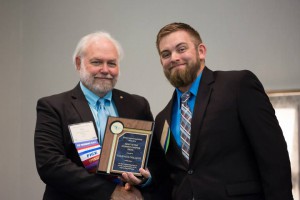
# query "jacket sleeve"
(56, 167)
(266, 138)
(161, 186)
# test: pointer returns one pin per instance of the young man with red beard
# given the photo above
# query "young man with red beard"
(218, 138)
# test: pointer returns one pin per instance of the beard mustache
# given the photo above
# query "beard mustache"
(184, 77)
(98, 86)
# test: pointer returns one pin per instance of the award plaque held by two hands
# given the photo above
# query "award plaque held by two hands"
(125, 146)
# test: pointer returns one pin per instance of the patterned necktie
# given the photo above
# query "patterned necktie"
(102, 118)
(185, 125)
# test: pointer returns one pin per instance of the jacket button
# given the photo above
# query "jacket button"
(190, 172)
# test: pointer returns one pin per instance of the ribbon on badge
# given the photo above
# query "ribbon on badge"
(89, 152)
(86, 142)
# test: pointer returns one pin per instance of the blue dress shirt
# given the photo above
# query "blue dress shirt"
(92, 99)
(175, 121)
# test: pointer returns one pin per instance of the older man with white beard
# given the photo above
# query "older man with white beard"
(58, 160)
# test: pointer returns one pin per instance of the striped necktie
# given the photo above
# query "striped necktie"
(185, 125)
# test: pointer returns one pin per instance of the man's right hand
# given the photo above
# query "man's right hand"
(120, 193)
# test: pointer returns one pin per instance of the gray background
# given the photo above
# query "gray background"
(38, 38)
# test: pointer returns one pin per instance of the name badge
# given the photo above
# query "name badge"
(86, 142)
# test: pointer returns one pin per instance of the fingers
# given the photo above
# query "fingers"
(130, 179)
(145, 173)
(127, 187)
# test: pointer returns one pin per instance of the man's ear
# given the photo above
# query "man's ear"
(78, 62)
(202, 51)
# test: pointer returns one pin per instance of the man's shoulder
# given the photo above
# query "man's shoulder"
(59, 97)
(232, 72)
(232, 75)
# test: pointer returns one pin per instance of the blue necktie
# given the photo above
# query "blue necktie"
(102, 118)
(185, 125)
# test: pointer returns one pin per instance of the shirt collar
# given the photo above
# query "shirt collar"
(92, 98)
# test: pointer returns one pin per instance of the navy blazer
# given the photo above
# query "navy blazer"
(57, 160)
(237, 148)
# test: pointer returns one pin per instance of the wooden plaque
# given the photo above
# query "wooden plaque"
(125, 146)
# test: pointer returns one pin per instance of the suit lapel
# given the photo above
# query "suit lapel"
(81, 105)
(168, 109)
(122, 104)
(174, 151)
(202, 101)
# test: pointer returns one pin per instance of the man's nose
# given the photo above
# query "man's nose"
(104, 68)
(174, 56)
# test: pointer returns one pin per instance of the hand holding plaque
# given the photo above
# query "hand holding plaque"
(125, 146)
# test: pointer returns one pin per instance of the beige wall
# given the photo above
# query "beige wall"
(38, 38)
